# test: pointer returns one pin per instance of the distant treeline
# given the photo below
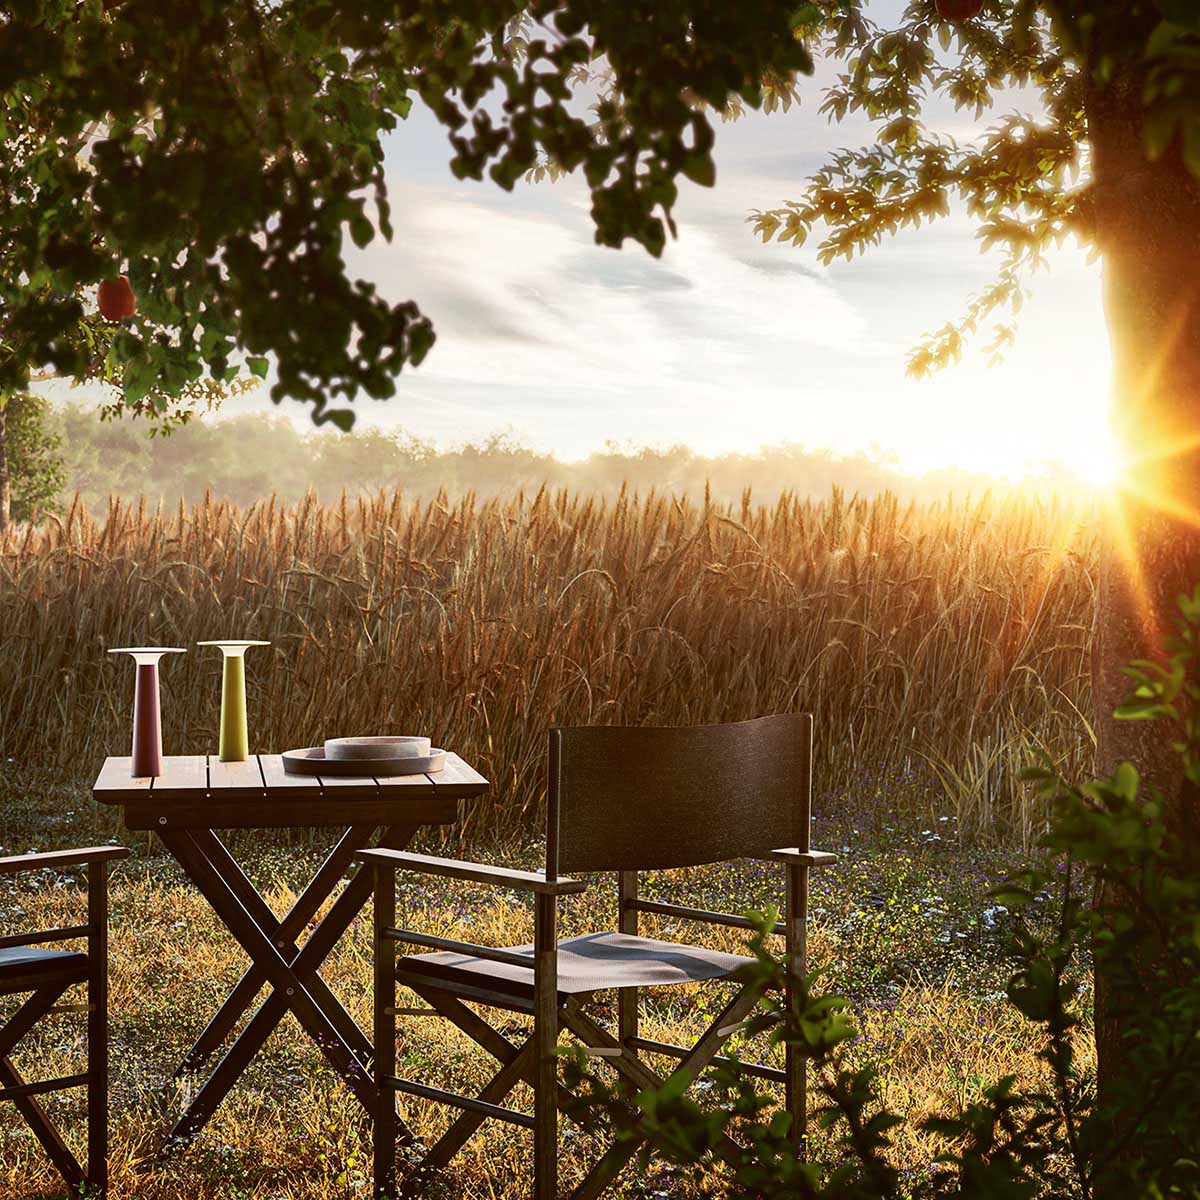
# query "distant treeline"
(246, 458)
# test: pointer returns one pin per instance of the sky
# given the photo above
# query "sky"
(723, 344)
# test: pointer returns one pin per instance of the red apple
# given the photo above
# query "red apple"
(959, 10)
(116, 299)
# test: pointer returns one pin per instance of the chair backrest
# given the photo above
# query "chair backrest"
(630, 798)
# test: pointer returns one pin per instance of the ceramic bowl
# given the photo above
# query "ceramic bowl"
(377, 747)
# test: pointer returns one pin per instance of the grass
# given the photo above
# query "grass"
(948, 640)
(902, 926)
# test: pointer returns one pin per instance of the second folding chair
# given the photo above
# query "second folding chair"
(623, 799)
(46, 975)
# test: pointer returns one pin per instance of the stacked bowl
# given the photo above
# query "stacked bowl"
(366, 756)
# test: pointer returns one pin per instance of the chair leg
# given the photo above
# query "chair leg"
(50, 1139)
(384, 1032)
(796, 1064)
(17, 1026)
(627, 998)
(545, 1032)
(97, 1031)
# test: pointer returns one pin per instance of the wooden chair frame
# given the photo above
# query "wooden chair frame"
(46, 989)
(536, 1060)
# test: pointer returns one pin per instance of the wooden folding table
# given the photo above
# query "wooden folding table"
(196, 795)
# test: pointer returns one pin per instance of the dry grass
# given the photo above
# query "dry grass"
(948, 639)
(898, 926)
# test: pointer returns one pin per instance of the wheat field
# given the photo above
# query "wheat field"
(945, 640)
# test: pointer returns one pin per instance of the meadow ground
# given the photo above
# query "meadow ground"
(903, 926)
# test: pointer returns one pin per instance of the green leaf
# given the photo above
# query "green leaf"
(343, 418)
(258, 365)
(1012, 896)
(701, 169)
(1125, 781)
(361, 231)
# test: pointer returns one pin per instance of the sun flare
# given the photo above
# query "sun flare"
(1100, 463)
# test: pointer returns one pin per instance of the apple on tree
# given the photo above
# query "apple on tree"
(116, 299)
(959, 10)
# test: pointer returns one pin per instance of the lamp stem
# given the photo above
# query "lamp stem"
(234, 744)
(147, 722)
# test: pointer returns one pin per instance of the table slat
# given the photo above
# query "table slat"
(115, 784)
(458, 776)
(304, 812)
(182, 776)
(391, 783)
(227, 779)
(278, 780)
(337, 785)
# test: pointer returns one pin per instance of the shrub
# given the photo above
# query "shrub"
(34, 457)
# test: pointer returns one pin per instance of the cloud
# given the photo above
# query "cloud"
(528, 300)
(635, 271)
(780, 264)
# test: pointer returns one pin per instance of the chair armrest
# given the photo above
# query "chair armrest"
(801, 858)
(61, 858)
(454, 868)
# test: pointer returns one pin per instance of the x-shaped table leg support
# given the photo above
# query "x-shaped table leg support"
(276, 959)
(356, 838)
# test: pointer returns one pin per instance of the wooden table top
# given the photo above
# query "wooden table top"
(200, 791)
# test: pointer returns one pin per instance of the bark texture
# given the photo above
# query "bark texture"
(5, 479)
(1147, 224)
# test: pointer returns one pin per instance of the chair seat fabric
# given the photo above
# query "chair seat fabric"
(25, 962)
(587, 964)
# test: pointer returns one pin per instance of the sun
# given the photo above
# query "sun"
(1099, 462)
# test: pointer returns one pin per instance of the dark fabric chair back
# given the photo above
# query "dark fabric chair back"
(630, 798)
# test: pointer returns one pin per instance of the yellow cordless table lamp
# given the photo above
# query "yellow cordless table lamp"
(235, 740)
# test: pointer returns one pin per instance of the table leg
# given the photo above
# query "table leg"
(314, 951)
(260, 912)
(279, 971)
(305, 908)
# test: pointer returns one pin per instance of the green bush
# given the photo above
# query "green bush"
(1054, 1136)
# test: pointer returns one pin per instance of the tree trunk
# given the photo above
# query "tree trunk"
(1147, 224)
(5, 481)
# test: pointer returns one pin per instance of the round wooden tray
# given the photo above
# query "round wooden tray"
(312, 761)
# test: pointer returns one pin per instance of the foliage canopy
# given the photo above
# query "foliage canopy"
(219, 152)
(1029, 182)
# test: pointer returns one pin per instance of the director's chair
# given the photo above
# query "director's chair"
(623, 799)
(46, 975)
